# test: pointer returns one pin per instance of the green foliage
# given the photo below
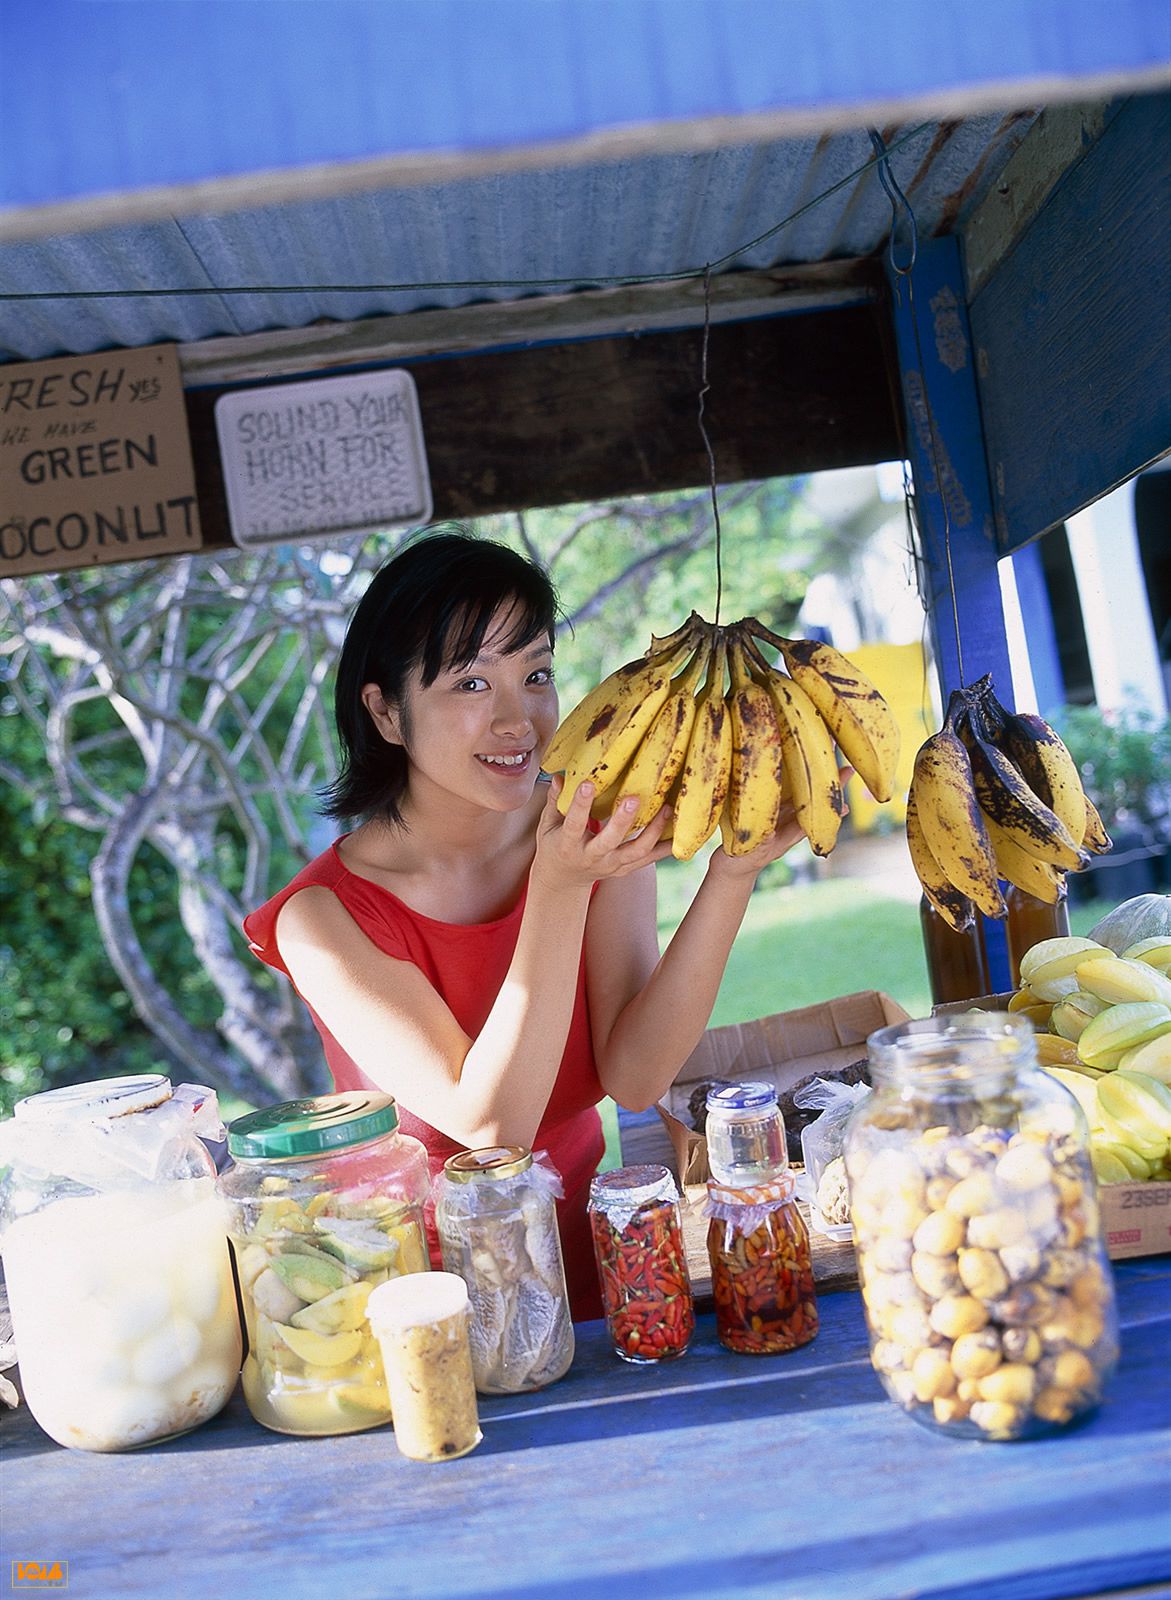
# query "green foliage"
(1125, 761)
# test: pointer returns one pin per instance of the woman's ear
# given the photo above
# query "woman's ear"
(384, 714)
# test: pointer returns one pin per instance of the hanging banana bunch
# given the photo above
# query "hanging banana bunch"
(996, 795)
(706, 723)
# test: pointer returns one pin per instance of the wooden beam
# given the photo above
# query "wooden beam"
(1059, 137)
(586, 314)
(600, 418)
(1073, 332)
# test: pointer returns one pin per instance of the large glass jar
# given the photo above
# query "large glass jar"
(326, 1201)
(116, 1261)
(642, 1265)
(496, 1214)
(988, 1295)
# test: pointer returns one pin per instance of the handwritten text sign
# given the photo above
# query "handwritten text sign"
(333, 455)
(95, 461)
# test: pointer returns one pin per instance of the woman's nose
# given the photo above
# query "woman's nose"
(510, 715)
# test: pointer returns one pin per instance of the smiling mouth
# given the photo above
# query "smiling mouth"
(506, 763)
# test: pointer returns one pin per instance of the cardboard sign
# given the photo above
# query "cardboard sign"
(328, 456)
(95, 461)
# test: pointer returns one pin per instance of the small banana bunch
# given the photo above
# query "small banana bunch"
(1108, 1040)
(996, 794)
(705, 723)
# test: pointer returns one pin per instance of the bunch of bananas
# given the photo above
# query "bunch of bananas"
(706, 724)
(996, 794)
(1107, 1038)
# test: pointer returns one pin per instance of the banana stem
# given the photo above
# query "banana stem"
(755, 652)
(754, 626)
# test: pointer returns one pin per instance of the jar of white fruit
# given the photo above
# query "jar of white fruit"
(116, 1261)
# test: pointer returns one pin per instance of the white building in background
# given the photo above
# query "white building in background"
(1121, 582)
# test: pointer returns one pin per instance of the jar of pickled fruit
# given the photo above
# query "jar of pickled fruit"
(116, 1261)
(326, 1201)
(496, 1214)
(642, 1266)
(762, 1269)
(988, 1295)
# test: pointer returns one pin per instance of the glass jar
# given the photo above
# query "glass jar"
(496, 1214)
(988, 1295)
(745, 1134)
(762, 1269)
(326, 1201)
(116, 1261)
(642, 1265)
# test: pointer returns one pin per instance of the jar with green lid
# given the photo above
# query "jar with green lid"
(326, 1201)
(496, 1213)
(116, 1260)
(988, 1295)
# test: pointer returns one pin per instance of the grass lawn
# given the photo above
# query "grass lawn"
(804, 943)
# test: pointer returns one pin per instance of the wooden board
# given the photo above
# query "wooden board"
(714, 1476)
(1073, 332)
(594, 419)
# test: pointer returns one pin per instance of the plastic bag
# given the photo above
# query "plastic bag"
(823, 1183)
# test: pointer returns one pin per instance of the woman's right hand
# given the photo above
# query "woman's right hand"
(572, 854)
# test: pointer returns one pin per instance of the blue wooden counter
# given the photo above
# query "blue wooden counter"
(717, 1475)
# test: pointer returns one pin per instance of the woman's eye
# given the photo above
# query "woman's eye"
(542, 676)
(472, 685)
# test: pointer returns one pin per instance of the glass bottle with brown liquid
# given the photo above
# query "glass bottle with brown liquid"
(1029, 921)
(957, 966)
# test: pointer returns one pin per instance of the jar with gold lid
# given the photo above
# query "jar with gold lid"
(496, 1215)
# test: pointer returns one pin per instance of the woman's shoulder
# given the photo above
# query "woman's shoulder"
(325, 871)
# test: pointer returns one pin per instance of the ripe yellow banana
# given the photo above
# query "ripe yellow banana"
(945, 798)
(1044, 762)
(952, 904)
(807, 748)
(603, 713)
(659, 758)
(621, 725)
(1095, 838)
(754, 789)
(707, 768)
(852, 708)
(1006, 798)
(1038, 878)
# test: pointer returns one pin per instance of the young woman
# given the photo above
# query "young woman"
(490, 963)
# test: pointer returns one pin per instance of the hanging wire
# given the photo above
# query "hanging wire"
(704, 386)
(603, 281)
(901, 208)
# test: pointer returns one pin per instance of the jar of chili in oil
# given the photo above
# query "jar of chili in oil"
(758, 1244)
(642, 1266)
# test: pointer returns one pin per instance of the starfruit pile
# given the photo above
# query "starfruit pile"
(1103, 1025)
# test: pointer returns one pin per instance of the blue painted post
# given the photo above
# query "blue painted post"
(945, 445)
(1037, 613)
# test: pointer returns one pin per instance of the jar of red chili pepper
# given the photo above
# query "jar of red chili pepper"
(638, 1244)
(762, 1274)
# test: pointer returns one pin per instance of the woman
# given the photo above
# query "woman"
(490, 963)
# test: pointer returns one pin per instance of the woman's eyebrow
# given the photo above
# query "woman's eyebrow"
(487, 658)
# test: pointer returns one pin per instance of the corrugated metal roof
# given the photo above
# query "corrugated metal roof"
(497, 235)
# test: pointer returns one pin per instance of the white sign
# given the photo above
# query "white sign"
(333, 455)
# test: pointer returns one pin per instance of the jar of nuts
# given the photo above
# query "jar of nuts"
(988, 1295)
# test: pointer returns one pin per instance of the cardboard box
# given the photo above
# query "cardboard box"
(781, 1049)
(1136, 1217)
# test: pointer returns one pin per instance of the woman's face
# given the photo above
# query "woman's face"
(478, 731)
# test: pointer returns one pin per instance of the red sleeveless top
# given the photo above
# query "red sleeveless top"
(467, 965)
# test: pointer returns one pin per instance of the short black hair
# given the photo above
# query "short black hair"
(429, 607)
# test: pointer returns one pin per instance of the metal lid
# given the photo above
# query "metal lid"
(93, 1102)
(318, 1126)
(492, 1162)
(742, 1097)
